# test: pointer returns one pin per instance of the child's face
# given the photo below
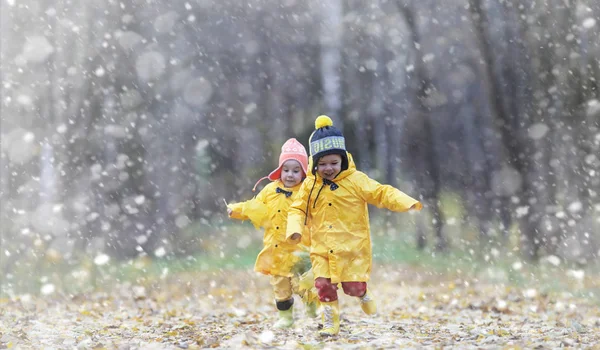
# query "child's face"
(329, 166)
(291, 173)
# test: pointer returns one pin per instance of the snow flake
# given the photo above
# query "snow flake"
(517, 265)
(37, 49)
(198, 92)
(538, 130)
(553, 260)
(29, 137)
(150, 65)
(116, 131)
(507, 181)
(501, 305)
(575, 207)
(99, 72)
(239, 312)
(244, 242)
(101, 259)
(251, 107)
(24, 100)
(131, 99)
(576, 274)
(522, 211)
(139, 292)
(128, 40)
(266, 337)
(182, 221)
(160, 252)
(164, 23)
(589, 23)
(61, 129)
(139, 200)
(47, 289)
(428, 57)
(530, 293)
(593, 108)
(371, 64)
(141, 239)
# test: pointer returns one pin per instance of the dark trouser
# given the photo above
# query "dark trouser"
(328, 291)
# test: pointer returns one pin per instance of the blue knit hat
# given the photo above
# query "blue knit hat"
(327, 139)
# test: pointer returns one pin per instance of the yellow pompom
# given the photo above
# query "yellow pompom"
(323, 121)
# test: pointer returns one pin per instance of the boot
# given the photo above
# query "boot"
(311, 309)
(331, 318)
(367, 304)
(286, 319)
(308, 293)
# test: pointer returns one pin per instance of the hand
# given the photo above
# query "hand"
(295, 236)
(229, 211)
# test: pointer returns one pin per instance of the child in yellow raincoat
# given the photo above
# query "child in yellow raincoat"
(269, 209)
(333, 201)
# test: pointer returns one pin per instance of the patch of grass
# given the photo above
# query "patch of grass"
(492, 265)
(238, 246)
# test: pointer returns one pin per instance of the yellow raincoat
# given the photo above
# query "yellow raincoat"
(340, 242)
(269, 210)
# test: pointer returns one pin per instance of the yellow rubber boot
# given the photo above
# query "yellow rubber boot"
(286, 319)
(367, 304)
(331, 318)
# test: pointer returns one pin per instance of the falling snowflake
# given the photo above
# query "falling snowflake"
(99, 72)
(29, 137)
(101, 259)
(538, 131)
(589, 23)
(139, 200)
(266, 337)
(160, 252)
(47, 289)
(553, 260)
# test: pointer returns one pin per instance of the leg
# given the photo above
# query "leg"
(327, 291)
(303, 286)
(282, 288)
(359, 289)
(354, 289)
(329, 302)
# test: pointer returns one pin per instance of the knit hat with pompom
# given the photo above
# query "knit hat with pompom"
(327, 139)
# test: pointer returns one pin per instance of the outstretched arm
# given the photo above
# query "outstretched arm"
(254, 210)
(385, 196)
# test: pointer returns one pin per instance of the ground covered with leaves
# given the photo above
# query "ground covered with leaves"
(234, 309)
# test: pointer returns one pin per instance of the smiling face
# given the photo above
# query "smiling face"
(291, 173)
(329, 166)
